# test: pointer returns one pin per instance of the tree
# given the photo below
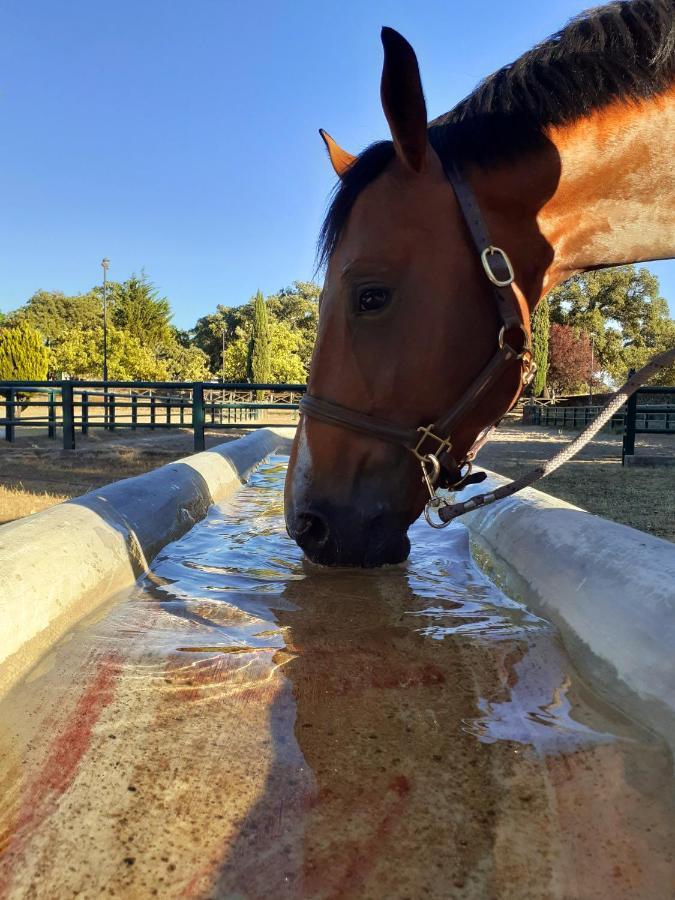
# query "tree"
(259, 359)
(23, 355)
(622, 306)
(569, 358)
(54, 314)
(137, 309)
(285, 347)
(298, 307)
(80, 355)
(541, 324)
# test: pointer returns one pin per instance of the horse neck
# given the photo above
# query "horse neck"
(600, 193)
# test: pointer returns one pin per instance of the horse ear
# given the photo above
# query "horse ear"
(403, 100)
(340, 159)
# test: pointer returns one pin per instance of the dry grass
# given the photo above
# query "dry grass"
(596, 481)
(16, 502)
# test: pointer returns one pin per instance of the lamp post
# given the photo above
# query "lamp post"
(590, 380)
(104, 265)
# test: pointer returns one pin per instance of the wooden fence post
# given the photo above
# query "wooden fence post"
(134, 411)
(198, 416)
(68, 416)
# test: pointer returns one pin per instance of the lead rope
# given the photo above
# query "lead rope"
(448, 511)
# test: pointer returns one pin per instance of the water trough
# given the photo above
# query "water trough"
(230, 722)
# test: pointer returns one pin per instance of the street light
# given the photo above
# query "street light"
(590, 380)
(104, 265)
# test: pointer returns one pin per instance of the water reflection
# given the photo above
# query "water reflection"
(427, 721)
(245, 725)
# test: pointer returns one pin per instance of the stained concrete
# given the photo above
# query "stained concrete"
(60, 564)
(610, 588)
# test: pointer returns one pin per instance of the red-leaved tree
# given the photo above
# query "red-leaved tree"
(569, 366)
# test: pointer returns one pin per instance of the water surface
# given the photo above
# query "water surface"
(246, 725)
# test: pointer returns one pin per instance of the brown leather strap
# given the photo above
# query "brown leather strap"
(507, 304)
(334, 414)
(436, 439)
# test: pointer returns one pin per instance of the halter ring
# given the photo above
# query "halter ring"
(498, 282)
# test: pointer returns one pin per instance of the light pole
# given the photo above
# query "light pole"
(104, 265)
(590, 380)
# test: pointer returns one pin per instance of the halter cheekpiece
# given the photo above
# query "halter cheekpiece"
(432, 444)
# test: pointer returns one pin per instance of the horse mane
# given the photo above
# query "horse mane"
(622, 51)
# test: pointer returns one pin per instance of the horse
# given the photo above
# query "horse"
(438, 246)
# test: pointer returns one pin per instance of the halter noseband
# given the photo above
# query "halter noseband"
(432, 444)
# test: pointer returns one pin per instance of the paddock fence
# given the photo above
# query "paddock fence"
(633, 419)
(72, 407)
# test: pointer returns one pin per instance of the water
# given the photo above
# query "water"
(247, 725)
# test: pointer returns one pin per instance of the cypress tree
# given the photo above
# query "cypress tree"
(23, 356)
(259, 356)
(541, 324)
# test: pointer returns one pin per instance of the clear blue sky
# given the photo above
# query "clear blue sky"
(181, 137)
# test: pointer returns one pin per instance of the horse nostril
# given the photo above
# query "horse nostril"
(311, 530)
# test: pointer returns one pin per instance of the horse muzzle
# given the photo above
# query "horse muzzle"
(339, 536)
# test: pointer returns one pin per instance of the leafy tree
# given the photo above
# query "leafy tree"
(138, 310)
(54, 314)
(541, 324)
(23, 355)
(298, 307)
(184, 363)
(622, 306)
(208, 332)
(259, 359)
(569, 358)
(80, 355)
(284, 345)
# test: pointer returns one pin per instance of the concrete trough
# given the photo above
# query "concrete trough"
(61, 564)
(609, 588)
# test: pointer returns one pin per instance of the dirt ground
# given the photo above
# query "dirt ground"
(36, 473)
(643, 497)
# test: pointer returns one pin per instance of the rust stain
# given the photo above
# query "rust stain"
(62, 762)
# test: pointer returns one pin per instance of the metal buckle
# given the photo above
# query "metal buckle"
(519, 354)
(444, 445)
(490, 251)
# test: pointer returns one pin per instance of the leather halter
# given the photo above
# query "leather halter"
(432, 444)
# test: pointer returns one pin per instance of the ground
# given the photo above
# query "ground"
(595, 479)
(36, 473)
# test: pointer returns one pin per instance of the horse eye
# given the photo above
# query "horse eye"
(373, 299)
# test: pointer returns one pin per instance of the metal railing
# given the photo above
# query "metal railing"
(82, 405)
(646, 419)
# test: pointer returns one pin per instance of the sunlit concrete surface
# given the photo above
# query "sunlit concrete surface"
(610, 588)
(244, 725)
(60, 564)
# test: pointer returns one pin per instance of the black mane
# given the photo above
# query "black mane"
(622, 51)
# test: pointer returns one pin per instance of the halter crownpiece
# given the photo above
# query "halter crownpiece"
(432, 444)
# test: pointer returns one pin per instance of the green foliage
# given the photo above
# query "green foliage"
(259, 359)
(623, 308)
(54, 314)
(23, 355)
(286, 364)
(541, 324)
(80, 355)
(137, 309)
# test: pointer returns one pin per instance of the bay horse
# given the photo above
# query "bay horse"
(438, 246)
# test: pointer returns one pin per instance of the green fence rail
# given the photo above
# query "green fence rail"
(631, 420)
(78, 406)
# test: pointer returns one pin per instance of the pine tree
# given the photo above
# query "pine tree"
(259, 357)
(541, 324)
(23, 356)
